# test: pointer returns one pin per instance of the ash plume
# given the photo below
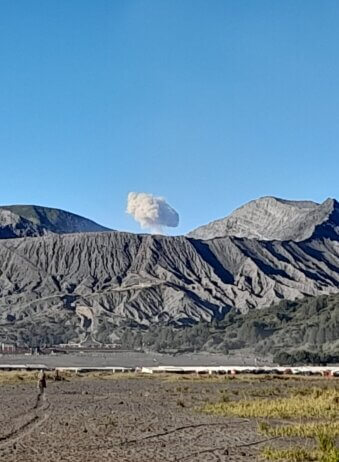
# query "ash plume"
(151, 212)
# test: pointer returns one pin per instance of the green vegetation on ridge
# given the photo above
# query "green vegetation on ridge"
(304, 330)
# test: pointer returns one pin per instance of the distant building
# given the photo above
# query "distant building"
(7, 348)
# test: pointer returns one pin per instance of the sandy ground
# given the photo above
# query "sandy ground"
(135, 359)
(120, 419)
(131, 418)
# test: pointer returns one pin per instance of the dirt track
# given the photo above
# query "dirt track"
(127, 419)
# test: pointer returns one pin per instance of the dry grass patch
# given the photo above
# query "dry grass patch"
(304, 430)
(318, 407)
(109, 375)
(320, 403)
(302, 455)
(197, 378)
(14, 377)
(291, 455)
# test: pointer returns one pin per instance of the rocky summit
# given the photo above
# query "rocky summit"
(71, 285)
(270, 218)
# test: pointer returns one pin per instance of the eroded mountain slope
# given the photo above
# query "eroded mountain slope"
(71, 286)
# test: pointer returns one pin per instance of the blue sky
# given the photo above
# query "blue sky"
(208, 103)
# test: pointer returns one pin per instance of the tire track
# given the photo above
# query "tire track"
(41, 415)
(225, 449)
(174, 430)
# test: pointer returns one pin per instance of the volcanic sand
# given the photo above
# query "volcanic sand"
(127, 418)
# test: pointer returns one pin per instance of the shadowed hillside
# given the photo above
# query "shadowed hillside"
(310, 324)
(32, 220)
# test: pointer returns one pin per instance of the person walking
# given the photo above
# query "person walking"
(42, 381)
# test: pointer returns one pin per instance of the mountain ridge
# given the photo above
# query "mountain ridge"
(271, 218)
(35, 220)
(118, 277)
(76, 286)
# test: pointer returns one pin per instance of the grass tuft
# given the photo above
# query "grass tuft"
(290, 455)
(305, 430)
(318, 407)
(320, 403)
(301, 454)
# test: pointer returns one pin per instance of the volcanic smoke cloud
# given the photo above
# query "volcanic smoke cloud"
(151, 211)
